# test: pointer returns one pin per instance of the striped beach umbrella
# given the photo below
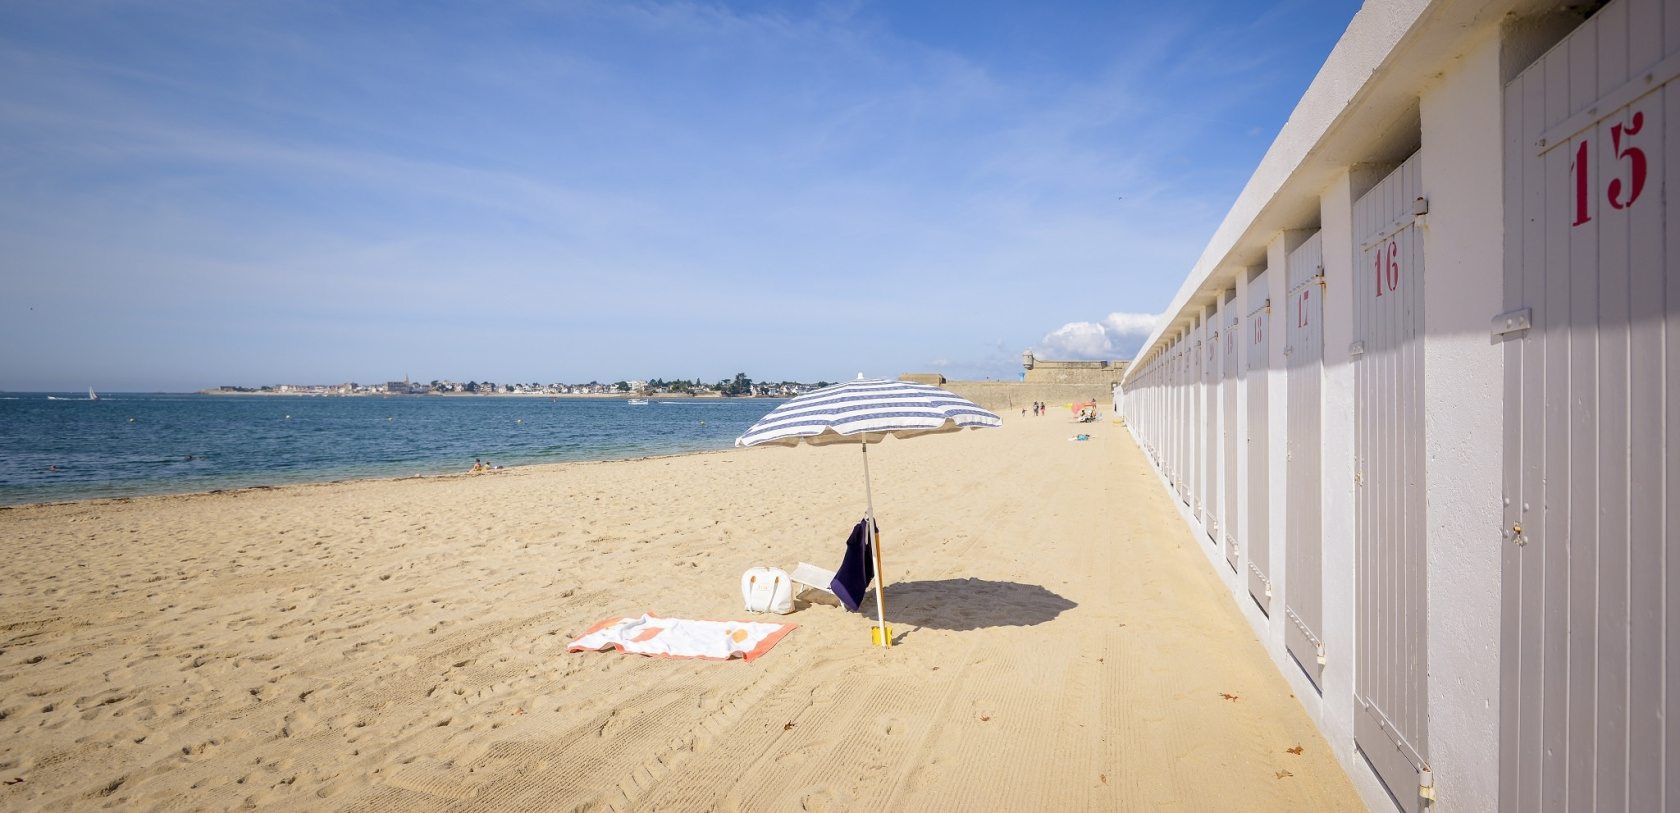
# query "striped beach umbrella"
(866, 411)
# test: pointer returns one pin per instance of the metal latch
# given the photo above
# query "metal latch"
(1512, 322)
(1357, 348)
(1517, 534)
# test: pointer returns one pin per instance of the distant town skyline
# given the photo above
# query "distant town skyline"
(200, 193)
(740, 384)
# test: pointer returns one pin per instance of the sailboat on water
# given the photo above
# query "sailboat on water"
(91, 396)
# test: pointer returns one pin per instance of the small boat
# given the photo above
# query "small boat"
(638, 402)
(91, 396)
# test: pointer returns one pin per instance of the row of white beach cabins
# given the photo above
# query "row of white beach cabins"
(761, 390)
(1414, 402)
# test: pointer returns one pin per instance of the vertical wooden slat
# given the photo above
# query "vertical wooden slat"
(1554, 530)
(1182, 464)
(1517, 208)
(1610, 497)
(1523, 714)
(1583, 437)
(1645, 495)
(1670, 530)
(1198, 424)
(1644, 34)
(1214, 379)
(1418, 526)
(1671, 32)
(1259, 514)
(1235, 380)
(1540, 187)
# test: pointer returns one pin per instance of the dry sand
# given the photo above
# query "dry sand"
(401, 645)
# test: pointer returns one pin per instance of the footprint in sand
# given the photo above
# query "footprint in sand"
(824, 800)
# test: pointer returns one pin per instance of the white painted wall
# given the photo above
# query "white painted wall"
(1336, 214)
(1407, 73)
(1463, 175)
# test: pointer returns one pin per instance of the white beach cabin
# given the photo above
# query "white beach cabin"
(1417, 397)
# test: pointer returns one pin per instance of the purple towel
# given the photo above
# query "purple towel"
(852, 578)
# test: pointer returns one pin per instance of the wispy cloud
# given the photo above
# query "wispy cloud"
(658, 188)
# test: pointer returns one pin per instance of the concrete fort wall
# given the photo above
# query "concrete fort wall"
(1101, 373)
(1004, 397)
(1409, 401)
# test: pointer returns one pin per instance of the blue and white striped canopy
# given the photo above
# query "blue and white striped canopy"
(867, 410)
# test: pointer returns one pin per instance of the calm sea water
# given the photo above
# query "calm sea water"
(130, 445)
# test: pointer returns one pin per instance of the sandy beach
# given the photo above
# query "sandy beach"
(401, 645)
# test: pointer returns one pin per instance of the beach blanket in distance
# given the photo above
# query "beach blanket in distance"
(683, 637)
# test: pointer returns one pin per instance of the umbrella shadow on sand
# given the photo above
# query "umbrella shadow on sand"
(971, 604)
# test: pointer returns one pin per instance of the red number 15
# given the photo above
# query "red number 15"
(1637, 169)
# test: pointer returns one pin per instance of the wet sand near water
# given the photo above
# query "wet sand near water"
(401, 645)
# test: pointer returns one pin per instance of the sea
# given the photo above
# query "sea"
(127, 445)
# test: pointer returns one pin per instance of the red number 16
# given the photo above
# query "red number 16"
(1392, 267)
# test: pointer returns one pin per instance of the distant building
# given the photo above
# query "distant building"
(1042, 371)
(934, 379)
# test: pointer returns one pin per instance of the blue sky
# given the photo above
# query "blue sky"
(204, 193)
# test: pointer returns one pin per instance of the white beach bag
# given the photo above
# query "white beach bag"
(767, 590)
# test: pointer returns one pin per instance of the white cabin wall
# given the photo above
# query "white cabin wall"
(1463, 179)
(1238, 582)
(1277, 420)
(1425, 77)
(1337, 710)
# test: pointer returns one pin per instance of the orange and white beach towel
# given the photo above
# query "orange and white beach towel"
(683, 637)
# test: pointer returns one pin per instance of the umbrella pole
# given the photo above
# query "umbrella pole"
(874, 545)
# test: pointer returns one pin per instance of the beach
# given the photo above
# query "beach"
(401, 645)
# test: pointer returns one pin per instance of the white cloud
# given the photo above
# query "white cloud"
(1135, 326)
(1117, 336)
(1076, 340)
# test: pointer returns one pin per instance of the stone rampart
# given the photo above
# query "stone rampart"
(1010, 397)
